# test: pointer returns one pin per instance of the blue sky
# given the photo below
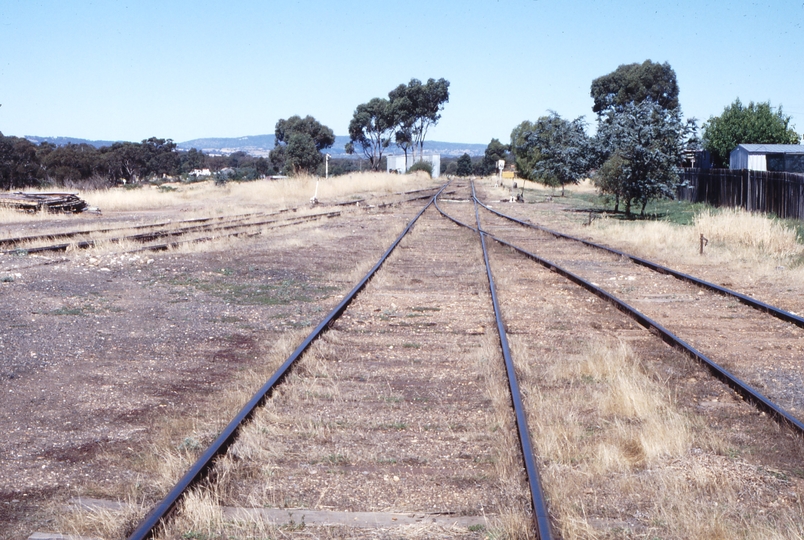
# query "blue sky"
(183, 70)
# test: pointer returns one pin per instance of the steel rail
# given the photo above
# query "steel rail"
(145, 237)
(540, 514)
(70, 234)
(747, 300)
(173, 245)
(735, 383)
(201, 468)
(231, 219)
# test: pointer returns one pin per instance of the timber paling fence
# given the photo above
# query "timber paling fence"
(779, 193)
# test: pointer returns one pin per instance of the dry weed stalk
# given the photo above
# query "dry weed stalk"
(619, 454)
(514, 521)
(734, 235)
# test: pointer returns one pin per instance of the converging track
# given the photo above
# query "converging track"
(460, 390)
(447, 407)
(728, 331)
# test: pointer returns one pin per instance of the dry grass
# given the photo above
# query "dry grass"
(748, 232)
(749, 244)
(210, 199)
(514, 521)
(619, 455)
(207, 199)
(9, 215)
(104, 523)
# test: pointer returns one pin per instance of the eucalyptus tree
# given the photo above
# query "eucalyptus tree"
(563, 149)
(634, 83)
(19, 163)
(417, 108)
(372, 129)
(642, 145)
(299, 143)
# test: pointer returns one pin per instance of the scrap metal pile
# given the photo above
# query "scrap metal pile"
(52, 202)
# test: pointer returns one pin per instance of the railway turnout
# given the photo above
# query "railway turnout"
(477, 394)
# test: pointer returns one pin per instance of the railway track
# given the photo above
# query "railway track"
(762, 337)
(524, 310)
(605, 266)
(382, 412)
(222, 226)
(350, 324)
(227, 228)
(161, 225)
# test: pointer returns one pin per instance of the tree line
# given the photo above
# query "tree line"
(403, 119)
(634, 157)
(641, 142)
(25, 164)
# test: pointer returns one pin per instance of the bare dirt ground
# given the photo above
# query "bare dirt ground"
(109, 359)
(610, 455)
(101, 351)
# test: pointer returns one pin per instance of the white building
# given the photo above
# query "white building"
(397, 163)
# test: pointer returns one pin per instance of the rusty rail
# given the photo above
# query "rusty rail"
(201, 468)
(541, 518)
(747, 300)
(735, 383)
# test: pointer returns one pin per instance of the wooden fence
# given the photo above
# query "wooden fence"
(779, 193)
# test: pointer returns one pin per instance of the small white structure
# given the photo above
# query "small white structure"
(200, 172)
(768, 157)
(398, 164)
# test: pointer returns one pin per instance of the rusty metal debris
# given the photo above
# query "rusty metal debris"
(40, 201)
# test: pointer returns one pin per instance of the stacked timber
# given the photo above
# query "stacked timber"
(34, 202)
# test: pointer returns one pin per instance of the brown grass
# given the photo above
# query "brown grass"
(735, 237)
(614, 445)
(234, 197)
(514, 521)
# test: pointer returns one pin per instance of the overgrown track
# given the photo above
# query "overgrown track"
(241, 223)
(203, 466)
(746, 390)
(169, 232)
(78, 233)
(747, 300)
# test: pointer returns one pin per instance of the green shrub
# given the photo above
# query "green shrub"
(421, 166)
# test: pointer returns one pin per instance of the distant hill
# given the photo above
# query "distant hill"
(261, 145)
(255, 145)
(61, 141)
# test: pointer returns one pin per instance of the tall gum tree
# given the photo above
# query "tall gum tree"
(634, 83)
(299, 143)
(372, 129)
(418, 108)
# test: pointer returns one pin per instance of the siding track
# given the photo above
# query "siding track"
(418, 414)
(604, 269)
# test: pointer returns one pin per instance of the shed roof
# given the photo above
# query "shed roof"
(773, 148)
